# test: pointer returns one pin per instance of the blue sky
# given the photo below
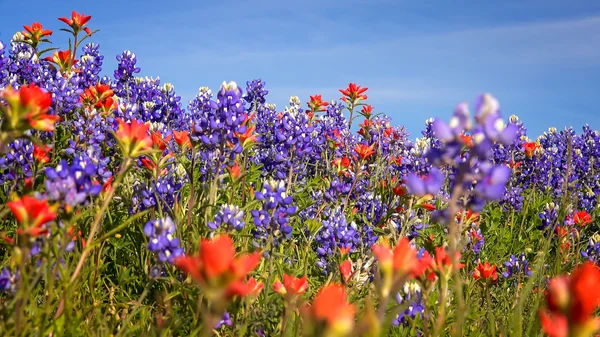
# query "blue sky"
(541, 59)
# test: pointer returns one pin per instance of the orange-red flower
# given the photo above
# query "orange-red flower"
(217, 269)
(63, 59)
(442, 262)
(342, 165)
(331, 305)
(316, 104)
(353, 94)
(32, 213)
(133, 138)
(469, 217)
(585, 290)
(158, 141)
(99, 96)
(40, 153)
(182, 138)
(530, 148)
(77, 22)
(35, 33)
(402, 259)
(27, 109)
(364, 151)
(291, 286)
(247, 137)
(571, 302)
(346, 270)
(486, 271)
(242, 289)
(582, 218)
(554, 325)
(366, 110)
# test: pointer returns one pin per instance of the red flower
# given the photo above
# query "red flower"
(77, 22)
(107, 186)
(442, 262)
(27, 108)
(40, 153)
(216, 267)
(366, 110)
(182, 138)
(346, 270)
(585, 291)
(402, 259)
(466, 140)
(63, 59)
(291, 286)
(582, 218)
(242, 289)
(31, 212)
(133, 138)
(247, 137)
(424, 264)
(486, 271)
(469, 217)
(428, 206)
(554, 325)
(235, 171)
(316, 104)
(331, 305)
(364, 151)
(158, 142)
(100, 97)
(342, 165)
(35, 33)
(399, 190)
(353, 94)
(571, 301)
(530, 148)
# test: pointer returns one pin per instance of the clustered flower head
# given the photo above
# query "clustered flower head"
(218, 270)
(571, 302)
(161, 239)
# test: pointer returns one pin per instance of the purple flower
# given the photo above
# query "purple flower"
(230, 217)
(493, 184)
(161, 241)
(226, 320)
(459, 123)
(516, 266)
(6, 280)
(430, 184)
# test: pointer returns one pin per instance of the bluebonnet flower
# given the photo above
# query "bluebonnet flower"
(161, 241)
(493, 183)
(230, 217)
(548, 215)
(475, 239)
(335, 233)
(430, 184)
(592, 251)
(272, 220)
(124, 75)
(3, 66)
(16, 163)
(161, 192)
(225, 320)
(90, 64)
(72, 184)
(23, 63)
(7, 280)
(516, 266)
(255, 95)
(411, 293)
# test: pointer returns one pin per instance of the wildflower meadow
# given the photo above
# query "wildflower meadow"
(127, 212)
